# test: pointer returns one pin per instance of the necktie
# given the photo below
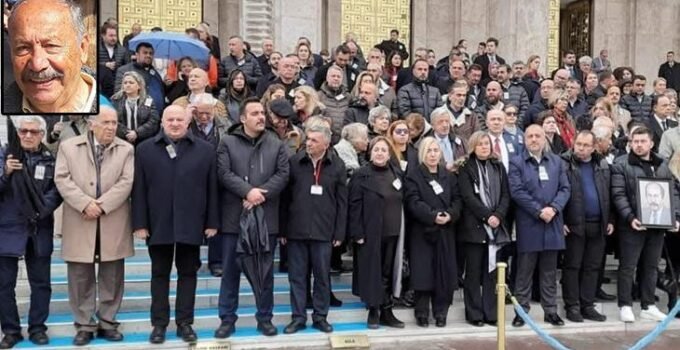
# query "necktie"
(664, 125)
(497, 148)
(133, 117)
(492, 58)
(99, 154)
(448, 153)
(653, 218)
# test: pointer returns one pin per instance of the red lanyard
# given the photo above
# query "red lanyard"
(317, 172)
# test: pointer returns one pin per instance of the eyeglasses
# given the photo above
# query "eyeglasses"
(511, 113)
(401, 131)
(24, 132)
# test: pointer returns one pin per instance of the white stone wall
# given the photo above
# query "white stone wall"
(637, 33)
(296, 18)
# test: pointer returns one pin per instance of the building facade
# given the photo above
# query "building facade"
(637, 33)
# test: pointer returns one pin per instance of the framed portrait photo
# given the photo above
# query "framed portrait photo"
(655, 203)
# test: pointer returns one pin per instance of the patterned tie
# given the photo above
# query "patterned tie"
(497, 148)
(99, 154)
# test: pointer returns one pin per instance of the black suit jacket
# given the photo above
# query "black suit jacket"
(658, 132)
(483, 61)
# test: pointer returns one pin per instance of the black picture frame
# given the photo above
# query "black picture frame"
(660, 192)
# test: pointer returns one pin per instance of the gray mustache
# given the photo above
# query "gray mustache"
(46, 74)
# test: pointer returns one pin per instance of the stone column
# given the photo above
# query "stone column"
(296, 18)
(229, 18)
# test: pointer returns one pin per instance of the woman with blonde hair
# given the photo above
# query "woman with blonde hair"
(274, 92)
(138, 118)
(434, 204)
(307, 104)
(559, 102)
(363, 77)
(307, 68)
(484, 188)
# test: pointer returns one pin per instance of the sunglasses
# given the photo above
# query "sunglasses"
(401, 131)
(24, 132)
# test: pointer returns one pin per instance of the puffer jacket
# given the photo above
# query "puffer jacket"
(625, 171)
(249, 65)
(418, 98)
(515, 94)
(336, 103)
(638, 110)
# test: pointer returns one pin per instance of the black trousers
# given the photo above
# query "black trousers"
(643, 247)
(215, 251)
(581, 267)
(187, 260)
(440, 307)
(38, 269)
(546, 263)
(388, 250)
(301, 255)
(231, 280)
(479, 284)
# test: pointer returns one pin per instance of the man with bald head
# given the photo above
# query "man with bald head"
(197, 84)
(493, 99)
(241, 59)
(561, 78)
(540, 189)
(288, 69)
(94, 174)
(48, 47)
(173, 214)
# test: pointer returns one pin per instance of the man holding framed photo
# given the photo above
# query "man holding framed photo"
(641, 190)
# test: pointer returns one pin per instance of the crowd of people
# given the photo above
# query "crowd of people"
(426, 175)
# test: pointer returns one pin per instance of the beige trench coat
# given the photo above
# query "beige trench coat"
(75, 177)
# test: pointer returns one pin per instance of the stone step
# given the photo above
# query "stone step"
(141, 282)
(205, 298)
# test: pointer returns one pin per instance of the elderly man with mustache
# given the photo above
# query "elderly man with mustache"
(48, 47)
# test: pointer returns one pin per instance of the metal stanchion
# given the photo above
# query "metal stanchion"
(500, 303)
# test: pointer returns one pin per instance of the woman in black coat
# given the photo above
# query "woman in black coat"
(138, 118)
(376, 224)
(434, 205)
(484, 188)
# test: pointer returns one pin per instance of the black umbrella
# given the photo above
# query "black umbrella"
(253, 249)
(23, 183)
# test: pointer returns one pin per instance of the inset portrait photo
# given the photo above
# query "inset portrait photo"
(49, 57)
(655, 203)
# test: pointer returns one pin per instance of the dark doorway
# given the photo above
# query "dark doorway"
(576, 26)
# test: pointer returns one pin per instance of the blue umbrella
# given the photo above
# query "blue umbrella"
(172, 46)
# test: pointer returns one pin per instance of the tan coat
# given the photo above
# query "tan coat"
(75, 177)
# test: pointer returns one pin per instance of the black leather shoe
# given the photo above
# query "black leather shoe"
(267, 328)
(225, 330)
(388, 319)
(294, 326)
(216, 270)
(38, 338)
(157, 335)
(323, 326)
(553, 319)
(422, 322)
(574, 315)
(589, 313)
(492, 323)
(110, 334)
(606, 280)
(83, 338)
(373, 320)
(602, 295)
(187, 333)
(517, 321)
(440, 322)
(476, 323)
(9, 340)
